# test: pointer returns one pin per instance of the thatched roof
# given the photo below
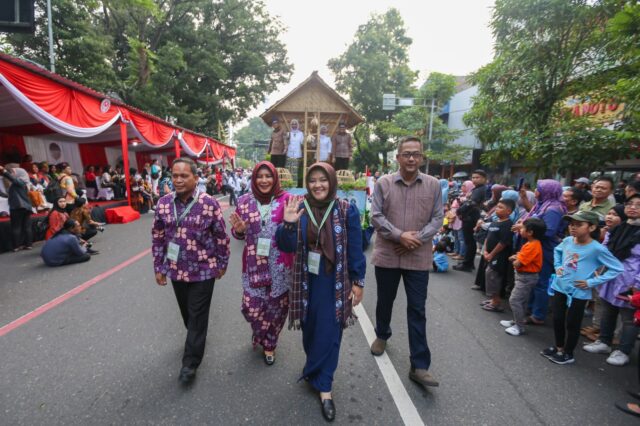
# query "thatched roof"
(314, 96)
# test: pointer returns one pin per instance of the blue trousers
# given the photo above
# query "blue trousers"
(415, 285)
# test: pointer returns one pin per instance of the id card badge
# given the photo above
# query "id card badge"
(173, 252)
(264, 246)
(313, 262)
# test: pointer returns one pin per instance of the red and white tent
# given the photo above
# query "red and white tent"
(39, 108)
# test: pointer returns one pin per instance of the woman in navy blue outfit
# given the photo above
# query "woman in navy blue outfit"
(325, 235)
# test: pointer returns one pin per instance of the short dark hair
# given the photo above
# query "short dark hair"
(536, 226)
(441, 247)
(409, 139)
(186, 160)
(606, 179)
(480, 172)
(576, 193)
(635, 185)
(510, 204)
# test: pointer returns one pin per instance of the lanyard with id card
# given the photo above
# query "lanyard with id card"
(173, 249)
(313, 260)
(264, 244)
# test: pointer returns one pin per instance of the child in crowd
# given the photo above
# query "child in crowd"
(527, 263)
(496, 251)
(440, 260)
(578, 260)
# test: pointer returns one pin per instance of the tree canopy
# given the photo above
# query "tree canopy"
(547, 52)
(200, 62)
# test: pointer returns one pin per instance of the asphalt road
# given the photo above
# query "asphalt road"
(111, 355)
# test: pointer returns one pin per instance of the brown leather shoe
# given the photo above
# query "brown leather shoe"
(423, 377)
(378, 346)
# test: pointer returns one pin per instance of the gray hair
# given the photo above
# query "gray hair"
(295, 121)
(188, 161)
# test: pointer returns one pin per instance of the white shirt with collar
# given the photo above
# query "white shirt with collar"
(325, 148)
(296, 138)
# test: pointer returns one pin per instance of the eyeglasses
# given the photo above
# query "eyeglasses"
(416, 155)
(633, 205)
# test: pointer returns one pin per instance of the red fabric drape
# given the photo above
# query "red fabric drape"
(92, 155)
(12, 148)
(66, 104)
(217, 150)
(155, 133)
(194, 142)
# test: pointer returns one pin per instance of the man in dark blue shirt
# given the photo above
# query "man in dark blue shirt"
(64, 248)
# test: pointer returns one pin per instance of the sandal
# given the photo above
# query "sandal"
(624, 406)
(532, 321)
(492, 308)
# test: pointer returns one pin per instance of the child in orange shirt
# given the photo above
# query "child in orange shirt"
(527, 263)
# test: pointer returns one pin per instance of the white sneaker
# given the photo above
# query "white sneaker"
(514, 330)
(618, 358)
(597, 347)
(507, 323)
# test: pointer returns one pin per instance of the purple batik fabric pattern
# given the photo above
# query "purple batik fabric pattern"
(202, 237)
(265, 280)
(267, 317)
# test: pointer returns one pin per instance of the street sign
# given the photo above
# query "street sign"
(389, 101)
(405, 102)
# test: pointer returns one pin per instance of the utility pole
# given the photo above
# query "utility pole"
(52, 58)
(433, 104)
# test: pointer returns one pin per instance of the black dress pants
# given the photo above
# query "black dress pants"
(21, 227)
(77, 259)
(470, 242)
(278, 160)
(342, 163)
(194, 300)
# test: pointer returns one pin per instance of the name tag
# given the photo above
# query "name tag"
(313, 262)
(264, 246)
(173, 252)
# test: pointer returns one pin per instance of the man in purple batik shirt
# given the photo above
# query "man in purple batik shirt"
(190, 247)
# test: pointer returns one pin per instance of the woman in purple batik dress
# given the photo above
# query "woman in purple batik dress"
(266, 271)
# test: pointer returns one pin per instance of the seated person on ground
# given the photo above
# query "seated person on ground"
(440, 261)
(82, 214)
(65, 248)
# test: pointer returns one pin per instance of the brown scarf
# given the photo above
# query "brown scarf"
(318, 208)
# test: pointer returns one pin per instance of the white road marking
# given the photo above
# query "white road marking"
(407, 409)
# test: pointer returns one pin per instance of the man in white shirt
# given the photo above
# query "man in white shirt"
(293, 149)
(325, 145)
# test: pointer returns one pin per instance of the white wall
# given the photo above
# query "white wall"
(459, 105)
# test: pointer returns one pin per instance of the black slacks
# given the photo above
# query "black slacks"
(342, 163)
(194, 300)
(21, 227)
(470, 242)
(278, 160)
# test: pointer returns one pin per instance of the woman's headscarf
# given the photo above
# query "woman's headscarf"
(56, 207)
(318, 209)
(510, 194)
(467, 187)
(496, 194)
(550, 198)
(619, 209)
(624, 237)
(444, 185)
(276, 190)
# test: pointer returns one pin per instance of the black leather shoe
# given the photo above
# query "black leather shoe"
(187, 374)
(328, 410)
(269, 359)
(463, 268)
